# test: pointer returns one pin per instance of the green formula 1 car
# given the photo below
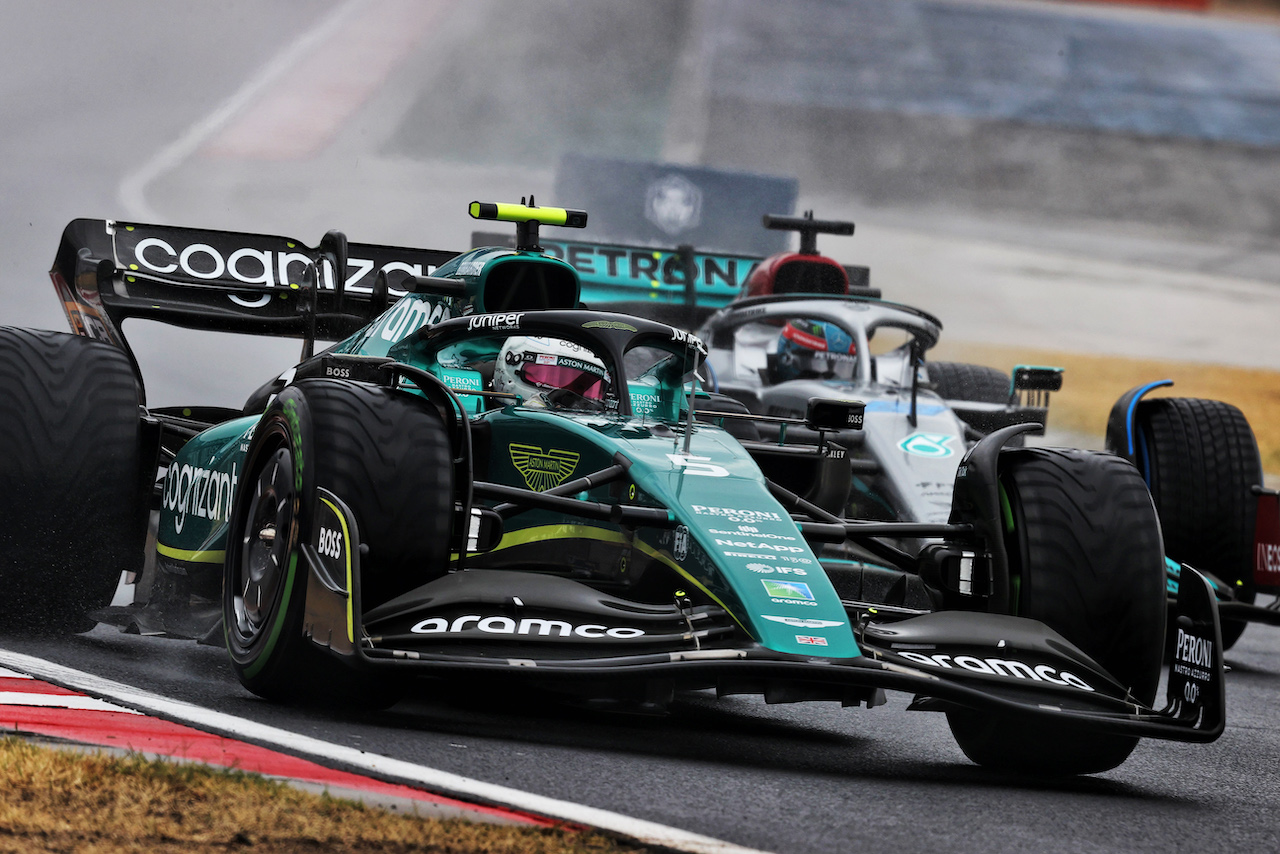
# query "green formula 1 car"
(481, 478)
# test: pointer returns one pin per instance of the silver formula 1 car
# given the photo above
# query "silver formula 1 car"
(800, 330)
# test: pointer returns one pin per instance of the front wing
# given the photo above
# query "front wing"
(999, 664)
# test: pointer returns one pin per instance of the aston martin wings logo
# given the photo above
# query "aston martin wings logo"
(543, 470)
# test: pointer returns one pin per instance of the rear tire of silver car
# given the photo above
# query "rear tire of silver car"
(73, 504)
(1200, 459)
(386, 456)
(1085, 559)
(963, 381)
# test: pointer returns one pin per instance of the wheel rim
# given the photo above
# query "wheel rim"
(263, 562)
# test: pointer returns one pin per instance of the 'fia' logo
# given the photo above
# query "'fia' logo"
(673, 203)
(543, 470)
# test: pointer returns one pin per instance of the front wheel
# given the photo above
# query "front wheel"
(387, 457)
(1085, 559)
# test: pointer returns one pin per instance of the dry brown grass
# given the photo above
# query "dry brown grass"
(64, 801)
(1091, 385)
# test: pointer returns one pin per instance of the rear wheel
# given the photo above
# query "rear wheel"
(73, 503)
(387, 458)
(1086, 560)
(1200, 460)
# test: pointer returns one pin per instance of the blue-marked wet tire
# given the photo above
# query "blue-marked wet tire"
(1201, 460)
(386, 456)
(73, 505)
(1086, 559)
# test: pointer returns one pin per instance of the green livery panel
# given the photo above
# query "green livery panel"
(199, 489)
(734, 542)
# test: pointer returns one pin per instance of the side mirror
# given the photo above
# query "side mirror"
(825, 414)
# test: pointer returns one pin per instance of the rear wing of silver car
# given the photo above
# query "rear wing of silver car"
(107, 271)
(620, 276)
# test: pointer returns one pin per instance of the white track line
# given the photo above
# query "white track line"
(133, 189)
(320, 96)
(62, 701)
(442, 782)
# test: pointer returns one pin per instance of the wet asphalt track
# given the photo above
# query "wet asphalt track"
(91, 95)
(795, 778)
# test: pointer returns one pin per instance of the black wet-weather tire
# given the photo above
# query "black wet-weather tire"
(1200, 459)
(386, 455)
(73, 502)
(1085, 559)
(963, 381)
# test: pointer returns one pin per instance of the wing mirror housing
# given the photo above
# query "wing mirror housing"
(830, 414)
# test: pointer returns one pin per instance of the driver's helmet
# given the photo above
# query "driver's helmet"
(551, 372)
(809, 349)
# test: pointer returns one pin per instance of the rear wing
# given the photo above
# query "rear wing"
(618, 275)
(680, 284)
(107, 271)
